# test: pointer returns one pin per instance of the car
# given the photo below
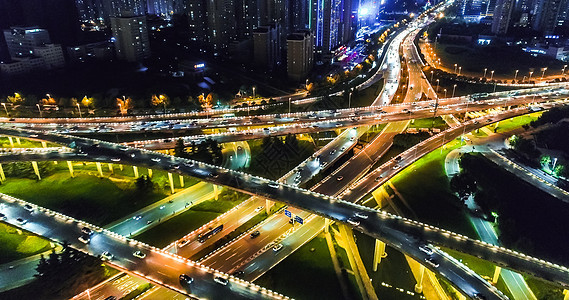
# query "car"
(21, 221)
(186, 278)
(183, 242)
(339, 178)
(139, 254)
(479, 296)
(361, 215)
(333, 151)
(352, 139)
(107, 255)
(220, 280)
(111, 298)
(149, 222)
(85, 238)
(239, 148)
(115, 159)
(137, 217)
(213, 175)
(395, 167)
(398, 158)
(426, 249)
(156, 159)
(238, 273)
(87, 231)
(274, 185)
(277, 247)
(378, 178)
(353, 222)
(255, 234)
(431, 262)
(28, 207)
(258, 209)
(2, 217)
(291, 221)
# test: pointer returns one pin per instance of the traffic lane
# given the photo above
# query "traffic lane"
(157, 266)
(303, 199)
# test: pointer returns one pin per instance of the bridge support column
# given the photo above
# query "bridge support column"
(111, 168)
(326, 225)
(120, 167)
(566, 294)
(70, 167)
(181, 181)
(150, 173)
(135, 169)
(268, 205)
(99, 168)
(378, 254)
(11, 141)
(2, 176)
(496, 275)
(43, 144)
(171, 179)
(215, 191)
(36, 169)
(419, 285)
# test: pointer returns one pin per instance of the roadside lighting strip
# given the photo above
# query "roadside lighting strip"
(527, 172)
(130, 241)
(4, 151)
(382, 214)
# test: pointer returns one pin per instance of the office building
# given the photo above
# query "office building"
(51, 54)
(300, 55)
(131, 38)
(548, 15)
(22, 40)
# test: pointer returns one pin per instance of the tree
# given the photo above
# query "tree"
(180, 149)
(144, 183)
(463, 184)
(16, 99)
(43, 267)
(88, 102)
(124, 104)
(161, 99)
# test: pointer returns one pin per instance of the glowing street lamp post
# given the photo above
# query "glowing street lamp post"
(79, 107)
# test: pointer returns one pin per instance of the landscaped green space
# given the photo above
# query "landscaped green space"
(544, 290)
(515, 123)
(424, 185)
(17, 244)
(428, 123)
(85, 197)
(367, 96)
(530, 220)
(393, 270)
(310, 264)
(275, 156)
(5, 143)
(178, 226)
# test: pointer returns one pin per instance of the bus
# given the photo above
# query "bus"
(202, 237)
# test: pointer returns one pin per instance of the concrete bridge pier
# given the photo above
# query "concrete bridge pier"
(268, 205)
(20, 142)
(135, 169)
(36, 169)
(496, 274)
(70, 167)
(326, 225)
(99, 169)
(150, 173)
(419, 285)
(111, 168)
(215, 192)
(378, 254)
(11, 141)
(171, 179)
(565, 294)
(43, 144)
(181, 181)
(2, 176)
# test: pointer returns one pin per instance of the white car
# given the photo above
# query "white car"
(220, 280)
(353, 222)
(277, 247)
(139, 254)
(258, 209)
(107, 255)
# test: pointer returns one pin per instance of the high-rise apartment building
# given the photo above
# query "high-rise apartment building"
(502, 16)
(300, 54)
(131, 38)
(266, 46)
(547, 16)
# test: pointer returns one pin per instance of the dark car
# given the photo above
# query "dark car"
(255, 234)
(186, 278)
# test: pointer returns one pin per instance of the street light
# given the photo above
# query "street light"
(459, 70)
(543, 72)
(530, 73)
(79, 107)
(432, 76)
(289, 105)
(453, 89)
(253, 92)
(445, 93)
(39, 109)
(516, 75)
(455, 67)
(438, 83)
(563, 71)
(350, 100)
(491, 75)
(485, 69)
